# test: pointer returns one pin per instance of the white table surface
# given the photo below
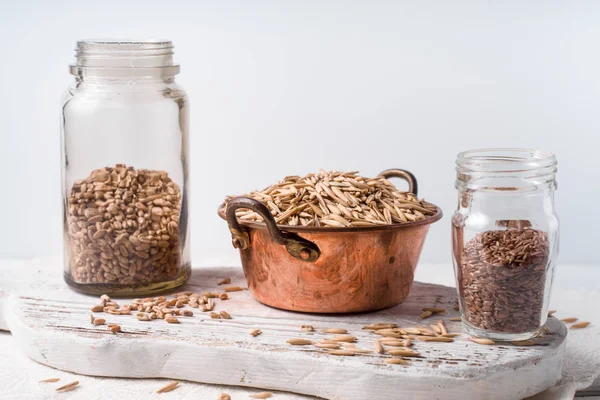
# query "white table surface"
(576, 292)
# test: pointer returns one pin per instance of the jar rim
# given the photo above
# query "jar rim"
(504, 160)
(124, 58)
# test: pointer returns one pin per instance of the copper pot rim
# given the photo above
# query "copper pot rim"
(311, 229)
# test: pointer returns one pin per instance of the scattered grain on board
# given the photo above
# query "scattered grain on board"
(403, 352)
(481, 340)
(341, 352)
(50, 380)
(569, 320)
(255, 332)
(224, 281)
(396, 361)
(224, 315)
(344, 338)
(168, 387)
(262, 395)
(327, 345)
(233, 288)
(378, 326)
(224, 396)
(434, 309)
(68, 386)
(580, 325)
(435, 339)
(299, 342)
(334, 330)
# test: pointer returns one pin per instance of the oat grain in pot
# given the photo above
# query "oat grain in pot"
(337, 199)
(330, 242)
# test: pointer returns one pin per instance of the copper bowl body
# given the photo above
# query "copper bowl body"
(325, 269)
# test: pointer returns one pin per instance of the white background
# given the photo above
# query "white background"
(282, 87)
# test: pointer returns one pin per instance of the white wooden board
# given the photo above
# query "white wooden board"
(51, 325)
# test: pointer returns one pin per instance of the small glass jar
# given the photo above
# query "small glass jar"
(124, 135)
(505, 241)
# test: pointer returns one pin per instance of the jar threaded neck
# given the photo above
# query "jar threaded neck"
(493, 169)
(124, 58)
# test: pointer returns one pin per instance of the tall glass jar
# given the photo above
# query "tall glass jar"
(124, 132)
(505, 241)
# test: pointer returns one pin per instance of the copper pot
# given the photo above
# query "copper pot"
(326, 269)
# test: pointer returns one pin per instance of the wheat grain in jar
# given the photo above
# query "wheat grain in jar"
(124, 135)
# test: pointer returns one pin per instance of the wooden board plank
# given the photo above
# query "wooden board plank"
(51, 325)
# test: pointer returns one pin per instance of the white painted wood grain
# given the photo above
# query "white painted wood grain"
(51, 325)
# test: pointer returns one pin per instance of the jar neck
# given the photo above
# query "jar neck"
(116, 61)
(505, 170)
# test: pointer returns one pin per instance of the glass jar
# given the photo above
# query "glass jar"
(124, 135)
(505, 241)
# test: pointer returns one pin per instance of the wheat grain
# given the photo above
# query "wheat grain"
(224, 315)
(123, 227)
(255, 332)
(224, 396)
(99, 321)
(307, 328)
(224, 281)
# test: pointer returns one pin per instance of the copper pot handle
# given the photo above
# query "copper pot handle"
(297, 246)
(403, 174)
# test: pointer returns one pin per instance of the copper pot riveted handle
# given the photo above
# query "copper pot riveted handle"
(403, 174)
(297, 246)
